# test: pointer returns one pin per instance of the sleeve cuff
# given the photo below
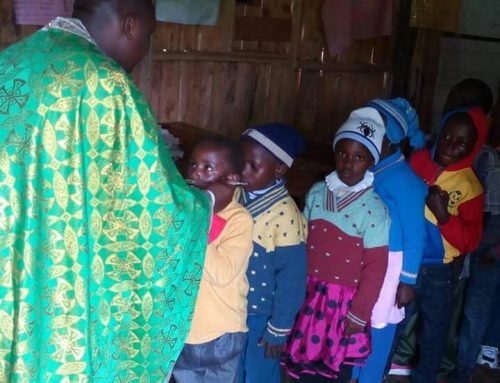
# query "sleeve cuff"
(356, 319)
(408, 278)
(274, 335)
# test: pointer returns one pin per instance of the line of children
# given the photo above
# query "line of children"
(218, 331)
(404, 194)
(347, 250)
(347, 258)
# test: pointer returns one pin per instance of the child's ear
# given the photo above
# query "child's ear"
(280, 170)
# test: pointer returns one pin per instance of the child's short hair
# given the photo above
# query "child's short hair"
(470, 92)
(234, 153)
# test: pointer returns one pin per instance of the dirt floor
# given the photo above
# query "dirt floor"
(486, 375)
(481, 375)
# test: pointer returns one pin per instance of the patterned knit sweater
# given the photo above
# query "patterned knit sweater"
(277, 268)
(347, 243)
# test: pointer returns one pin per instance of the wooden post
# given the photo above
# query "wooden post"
(402, 49)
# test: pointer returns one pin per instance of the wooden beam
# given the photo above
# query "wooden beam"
(220, 57)
(244, 57)
(341, 67)
(403, 49)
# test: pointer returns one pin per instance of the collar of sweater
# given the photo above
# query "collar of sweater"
(339, 188)
(265, 200)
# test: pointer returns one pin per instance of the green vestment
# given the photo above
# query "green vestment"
(101, 240)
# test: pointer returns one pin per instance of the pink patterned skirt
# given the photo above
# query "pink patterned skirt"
(317, 344)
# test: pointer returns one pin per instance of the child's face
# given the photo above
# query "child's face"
(208, 164)
(456, 141)
(261, 167)
(352, 160)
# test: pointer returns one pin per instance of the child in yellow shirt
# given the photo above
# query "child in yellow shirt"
(218, 331)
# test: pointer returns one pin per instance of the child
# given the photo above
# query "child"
(464, 94)
(482, 299)
(218, 332)
(347, 258)
(277, 269)
(404, 194)
(453, 213)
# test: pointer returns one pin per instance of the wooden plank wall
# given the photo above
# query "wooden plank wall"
(9, 32)
(217, 79)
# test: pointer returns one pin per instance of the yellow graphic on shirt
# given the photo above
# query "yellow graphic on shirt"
(461, 186)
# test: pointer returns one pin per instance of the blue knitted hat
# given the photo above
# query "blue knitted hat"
(282, 140)
(401, 121)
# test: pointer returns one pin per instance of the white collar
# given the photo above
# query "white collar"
(71, 25)
(339, 188)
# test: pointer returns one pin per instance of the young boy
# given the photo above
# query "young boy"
(467, 93)
(481, 321)
(453, 212)
(277, 268)
(218, 332)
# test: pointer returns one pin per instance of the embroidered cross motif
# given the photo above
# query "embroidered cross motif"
(13, 95)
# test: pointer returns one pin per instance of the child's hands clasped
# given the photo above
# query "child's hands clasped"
(437, 202)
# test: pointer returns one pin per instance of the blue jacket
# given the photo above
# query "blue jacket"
(404, 194)
(277, 268)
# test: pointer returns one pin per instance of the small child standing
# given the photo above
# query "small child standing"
(454, 212)
(467, 93)
(481, 320)
(347, 258)
(212, 352)
(277, 268)
(404, 194)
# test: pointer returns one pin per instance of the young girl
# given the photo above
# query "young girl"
(404, 194)
(347, 258)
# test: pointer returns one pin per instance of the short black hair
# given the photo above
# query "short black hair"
(232, 148)
(468, 93)
(86, 8)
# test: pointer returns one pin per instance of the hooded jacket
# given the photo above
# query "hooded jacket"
(462, 232)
